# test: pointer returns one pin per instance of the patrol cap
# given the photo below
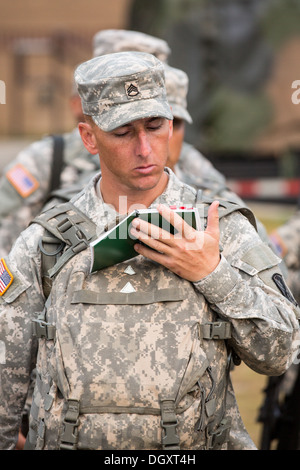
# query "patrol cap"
(121, 40)
(177, 83)
(119, 88)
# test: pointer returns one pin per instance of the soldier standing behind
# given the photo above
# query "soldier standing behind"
(280, 412)
(44, 166)
(286, 239)
(29, 180)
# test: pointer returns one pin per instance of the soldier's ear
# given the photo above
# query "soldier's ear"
(88, 137)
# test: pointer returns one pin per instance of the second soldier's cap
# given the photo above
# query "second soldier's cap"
(177, 84)
(119, 88)
(108, 41)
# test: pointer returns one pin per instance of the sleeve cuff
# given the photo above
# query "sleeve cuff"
(217, 285)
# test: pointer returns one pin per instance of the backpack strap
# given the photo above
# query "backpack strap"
(57, 161)
(68, 232)
(225, 207)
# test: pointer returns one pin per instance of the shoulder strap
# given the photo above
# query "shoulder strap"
(57, 161)
(225, 208)
(68, 231)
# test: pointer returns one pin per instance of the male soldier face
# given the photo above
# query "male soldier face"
(132, 156)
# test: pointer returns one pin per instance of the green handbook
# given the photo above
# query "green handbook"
(117, 244)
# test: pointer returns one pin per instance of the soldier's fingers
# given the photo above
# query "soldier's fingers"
(149, 241)
(147, 229)
(182, 227)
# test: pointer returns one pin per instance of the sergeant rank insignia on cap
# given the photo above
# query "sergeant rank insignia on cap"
(131, 89)
(6, 278)
(22, 180)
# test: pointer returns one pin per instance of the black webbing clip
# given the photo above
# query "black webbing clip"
(72, 235)
(69, 436)
(42, 329)
(221, 435)
(169, 421)
(216, 330)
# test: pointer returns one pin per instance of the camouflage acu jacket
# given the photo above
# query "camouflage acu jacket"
(243, 291)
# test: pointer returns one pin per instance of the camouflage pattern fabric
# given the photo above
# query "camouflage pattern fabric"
(263, 324)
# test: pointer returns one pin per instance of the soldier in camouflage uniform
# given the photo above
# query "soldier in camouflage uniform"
(135, 356)
(192, 167)
(79, 165)
(26, 182)
(280, 413)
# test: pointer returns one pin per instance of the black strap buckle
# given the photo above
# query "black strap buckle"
(216, 330)
(221, 435)
(42, 329)
(169, 421)
(72, 235)
(69, 438)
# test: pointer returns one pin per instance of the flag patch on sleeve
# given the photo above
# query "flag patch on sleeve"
(6, 277)
(22, 180)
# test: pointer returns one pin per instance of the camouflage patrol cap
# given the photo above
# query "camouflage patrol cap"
(121, 40)
(177, 84)
(119, 88)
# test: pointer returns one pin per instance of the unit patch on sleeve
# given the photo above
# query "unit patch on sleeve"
(6, 277)
(22, 180)
(280, 283)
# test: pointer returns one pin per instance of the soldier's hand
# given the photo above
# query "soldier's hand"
(190, 254)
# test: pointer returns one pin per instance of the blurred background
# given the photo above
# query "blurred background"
(242, 58)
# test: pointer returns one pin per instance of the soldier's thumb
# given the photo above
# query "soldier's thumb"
(213, 219)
